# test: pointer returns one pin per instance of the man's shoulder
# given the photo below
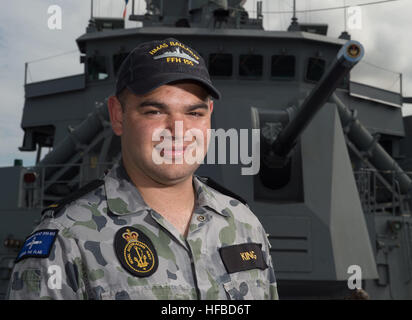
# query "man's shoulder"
(229, 202)
(77, 206)
(59, 223)
(222, 191)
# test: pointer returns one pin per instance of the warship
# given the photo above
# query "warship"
(333, 189)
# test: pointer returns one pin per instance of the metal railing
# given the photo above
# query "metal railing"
(378, 197)
(42, 192)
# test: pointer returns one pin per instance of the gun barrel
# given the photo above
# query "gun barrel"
(81, 135)
(348, 56)
(365, 142)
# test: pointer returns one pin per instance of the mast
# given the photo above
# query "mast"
(92, 25)
(294, 26)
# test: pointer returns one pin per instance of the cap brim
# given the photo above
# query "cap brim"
(160, 80)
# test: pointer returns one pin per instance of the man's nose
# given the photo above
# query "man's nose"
(176, 126)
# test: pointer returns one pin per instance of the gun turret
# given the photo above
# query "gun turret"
(280, 130)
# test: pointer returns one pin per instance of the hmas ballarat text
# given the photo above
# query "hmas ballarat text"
(332, 191)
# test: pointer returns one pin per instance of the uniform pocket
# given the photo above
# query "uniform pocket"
(247, 289)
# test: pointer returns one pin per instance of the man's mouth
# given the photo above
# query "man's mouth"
(174, 151)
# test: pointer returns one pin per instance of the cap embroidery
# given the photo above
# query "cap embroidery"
(176, 56)
(160, 46)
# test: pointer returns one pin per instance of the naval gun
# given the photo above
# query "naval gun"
(348, 56)
(280, 130)
(278, 140)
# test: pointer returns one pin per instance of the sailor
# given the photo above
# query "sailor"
(151, 229)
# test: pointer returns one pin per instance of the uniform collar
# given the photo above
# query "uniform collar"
(124, 198)
(121, 193)
(208, 197)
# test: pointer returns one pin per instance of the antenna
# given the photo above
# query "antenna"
(345, 34)
(92, 24)
(259, 14)
(91, 10)
(294, 26)
(294, 19)
(344, 15)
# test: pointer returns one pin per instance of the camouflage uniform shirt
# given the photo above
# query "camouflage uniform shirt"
(187, 268)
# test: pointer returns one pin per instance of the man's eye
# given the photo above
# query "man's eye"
(195, 114)
(152, 112)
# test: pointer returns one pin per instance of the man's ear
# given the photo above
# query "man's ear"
(211, 105)
(116, 115)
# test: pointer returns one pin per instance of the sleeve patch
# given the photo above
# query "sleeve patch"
(38, 245)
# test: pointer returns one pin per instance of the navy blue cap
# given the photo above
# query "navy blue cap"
(156, 63)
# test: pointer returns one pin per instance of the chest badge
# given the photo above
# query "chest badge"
(242, 257)
(135, 252)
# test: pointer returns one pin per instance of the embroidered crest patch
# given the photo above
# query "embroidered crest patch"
(135, 252)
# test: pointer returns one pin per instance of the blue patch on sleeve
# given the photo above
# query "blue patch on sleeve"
(37, 245)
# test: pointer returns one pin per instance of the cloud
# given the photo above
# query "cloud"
(25, 36)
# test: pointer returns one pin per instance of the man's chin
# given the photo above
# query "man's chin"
(170, 174)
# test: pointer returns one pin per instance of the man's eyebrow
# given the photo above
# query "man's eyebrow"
(163, 106)
(156, 104)
(201, 105)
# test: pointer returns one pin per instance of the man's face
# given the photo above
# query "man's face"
(177, 109)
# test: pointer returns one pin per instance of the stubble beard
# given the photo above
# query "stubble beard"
(163, 174)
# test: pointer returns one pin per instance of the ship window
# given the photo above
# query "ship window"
(250, 65)
(316, 68)
(96, 68)
(220, 64)
(117, 61)
(283, 66)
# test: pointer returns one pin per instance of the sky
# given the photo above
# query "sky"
(385, 33)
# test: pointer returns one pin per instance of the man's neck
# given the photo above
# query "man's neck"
(174, 202)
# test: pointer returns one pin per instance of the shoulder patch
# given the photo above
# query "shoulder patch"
(56, 207)
(214, 185)
(37, 245)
